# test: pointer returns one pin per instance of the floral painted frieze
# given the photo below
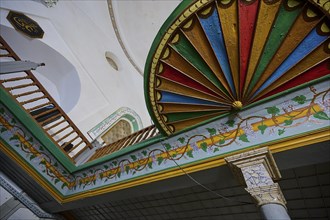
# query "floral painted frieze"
(301, 112)
(30, 150)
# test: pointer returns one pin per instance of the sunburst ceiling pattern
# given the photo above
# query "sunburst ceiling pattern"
(212, 57)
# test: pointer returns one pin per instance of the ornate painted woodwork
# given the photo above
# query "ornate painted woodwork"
(294, 120)
(213, 58)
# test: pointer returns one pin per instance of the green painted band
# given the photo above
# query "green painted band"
(35, 129)
(122, 152)
(178, 10)
(31, 167)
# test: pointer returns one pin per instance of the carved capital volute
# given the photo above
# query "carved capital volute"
(254, 168)
(267, 195)
(257, 170)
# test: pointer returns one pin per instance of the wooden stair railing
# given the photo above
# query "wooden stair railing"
(34, 98)
(134, 138)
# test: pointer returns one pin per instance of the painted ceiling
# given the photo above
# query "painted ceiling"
(212, 58)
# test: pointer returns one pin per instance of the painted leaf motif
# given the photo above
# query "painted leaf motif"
(215, 150)
(150, 165)
(281, 131)
(230, 123)
(321, 115)
(15, 137)
(190, 153)
(222, 141)
(127, 168)
(168, 146)
(273, 110)
(262, 128)
(64, 185)
(300, 99)
(160, 160)
(144, 153)
(204, 146)
(288, 122)
(212, 131)
(181, 139)
(133, 157)
(243, 138)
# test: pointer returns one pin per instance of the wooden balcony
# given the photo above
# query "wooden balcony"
(38, 103)
(132, 139)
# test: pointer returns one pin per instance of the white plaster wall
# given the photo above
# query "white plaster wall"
(81, 32)
(139, 22)
(56, 72)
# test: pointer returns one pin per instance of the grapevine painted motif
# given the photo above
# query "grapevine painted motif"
(235, 130)
(240, 129)
(33, 151)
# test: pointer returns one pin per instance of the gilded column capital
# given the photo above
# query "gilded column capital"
(254, 168)
(270, 194)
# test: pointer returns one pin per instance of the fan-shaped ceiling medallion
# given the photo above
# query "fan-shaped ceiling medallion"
(214, 57)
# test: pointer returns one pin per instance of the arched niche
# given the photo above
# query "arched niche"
(58, 76)
(119, 124)
(119, 130)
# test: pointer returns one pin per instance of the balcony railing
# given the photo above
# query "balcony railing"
(38, 103)
(34, 98)
(132, 139)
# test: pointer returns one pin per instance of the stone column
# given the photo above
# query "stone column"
(257, 170)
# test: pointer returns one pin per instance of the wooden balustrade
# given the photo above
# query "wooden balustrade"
(37, 102)
(34, 98)
(132, 139)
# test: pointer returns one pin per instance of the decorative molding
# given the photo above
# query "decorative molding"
(122, 113)
(24, 199)
(254, 168)
(192, 74)
(270, 194)
(257, 170)
(199, 149)
(119, 38)
(256, 175)
(49, 3)
(323, 4)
